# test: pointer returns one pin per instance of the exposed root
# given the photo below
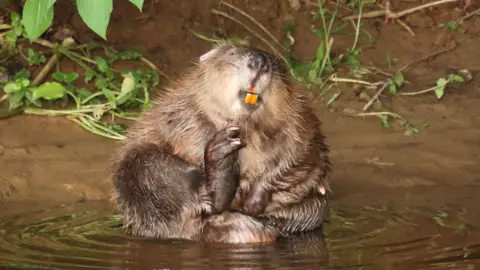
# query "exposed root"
(396, 15)
(428, 56)
(255, 22)
(255, 34)
(475, 12)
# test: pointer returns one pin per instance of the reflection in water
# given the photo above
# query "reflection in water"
(89, 236)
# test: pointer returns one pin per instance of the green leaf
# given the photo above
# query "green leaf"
(96, 14)
(83, 93)
(18, 30)
(458, 78)
(102, 65)
(24, 82)
(110, 96)
(10, 39)
(59, 76)
(12, 87)
(441, 82)
(138, 3)
(15, 19)
(89, 75)
(399, 79)
(391, 86)
(439, 91)
(35, 58)
(37, 17)
(16, 100)
(71, 77)
(101, 83)
(22, 74)
(29, 96)
(49, 91)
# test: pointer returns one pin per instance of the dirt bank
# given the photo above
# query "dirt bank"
(47, 158)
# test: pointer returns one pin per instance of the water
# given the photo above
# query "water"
(88, 235)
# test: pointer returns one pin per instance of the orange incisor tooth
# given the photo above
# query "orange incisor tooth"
(254, 99)
(251, 97)
(248, 98)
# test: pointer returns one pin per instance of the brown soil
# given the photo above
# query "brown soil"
(45, 159)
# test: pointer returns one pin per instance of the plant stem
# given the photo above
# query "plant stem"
(357, 28)
(418, 92)
(334, 79)
(92, 130)
(327, 57)
(34, 111)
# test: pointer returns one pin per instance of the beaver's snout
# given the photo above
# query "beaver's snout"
(257, 61)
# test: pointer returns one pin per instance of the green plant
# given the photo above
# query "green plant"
(22, 93)
(38, 15)
(442, 83)
(118, 94)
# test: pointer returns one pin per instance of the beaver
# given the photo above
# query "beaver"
(202, 164)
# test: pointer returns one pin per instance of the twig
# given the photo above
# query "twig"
(142, 59)
(154, 67)
(375, 97)
(334, 79)
(4, 26)
(51, 63)
(428, 56)
(254, 33)
(255, 22)
(404, 25)
(379, 114)
(467, 16)
(3, 98)
(396, 15)
(44, 43)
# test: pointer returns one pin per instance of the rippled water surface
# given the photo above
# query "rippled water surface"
(88, 235)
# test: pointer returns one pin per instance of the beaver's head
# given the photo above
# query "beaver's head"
(231, 72)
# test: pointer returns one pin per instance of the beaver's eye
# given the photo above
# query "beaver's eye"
(231, 53)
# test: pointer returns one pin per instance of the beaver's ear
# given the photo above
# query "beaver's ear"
(208, 54)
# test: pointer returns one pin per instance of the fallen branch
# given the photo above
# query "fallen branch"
(375, 97)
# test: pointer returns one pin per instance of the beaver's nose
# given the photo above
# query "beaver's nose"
(257, 61)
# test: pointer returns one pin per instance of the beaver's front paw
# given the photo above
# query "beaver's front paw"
(223, 143)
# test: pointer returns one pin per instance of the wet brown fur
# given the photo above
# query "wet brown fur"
(158, 175)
